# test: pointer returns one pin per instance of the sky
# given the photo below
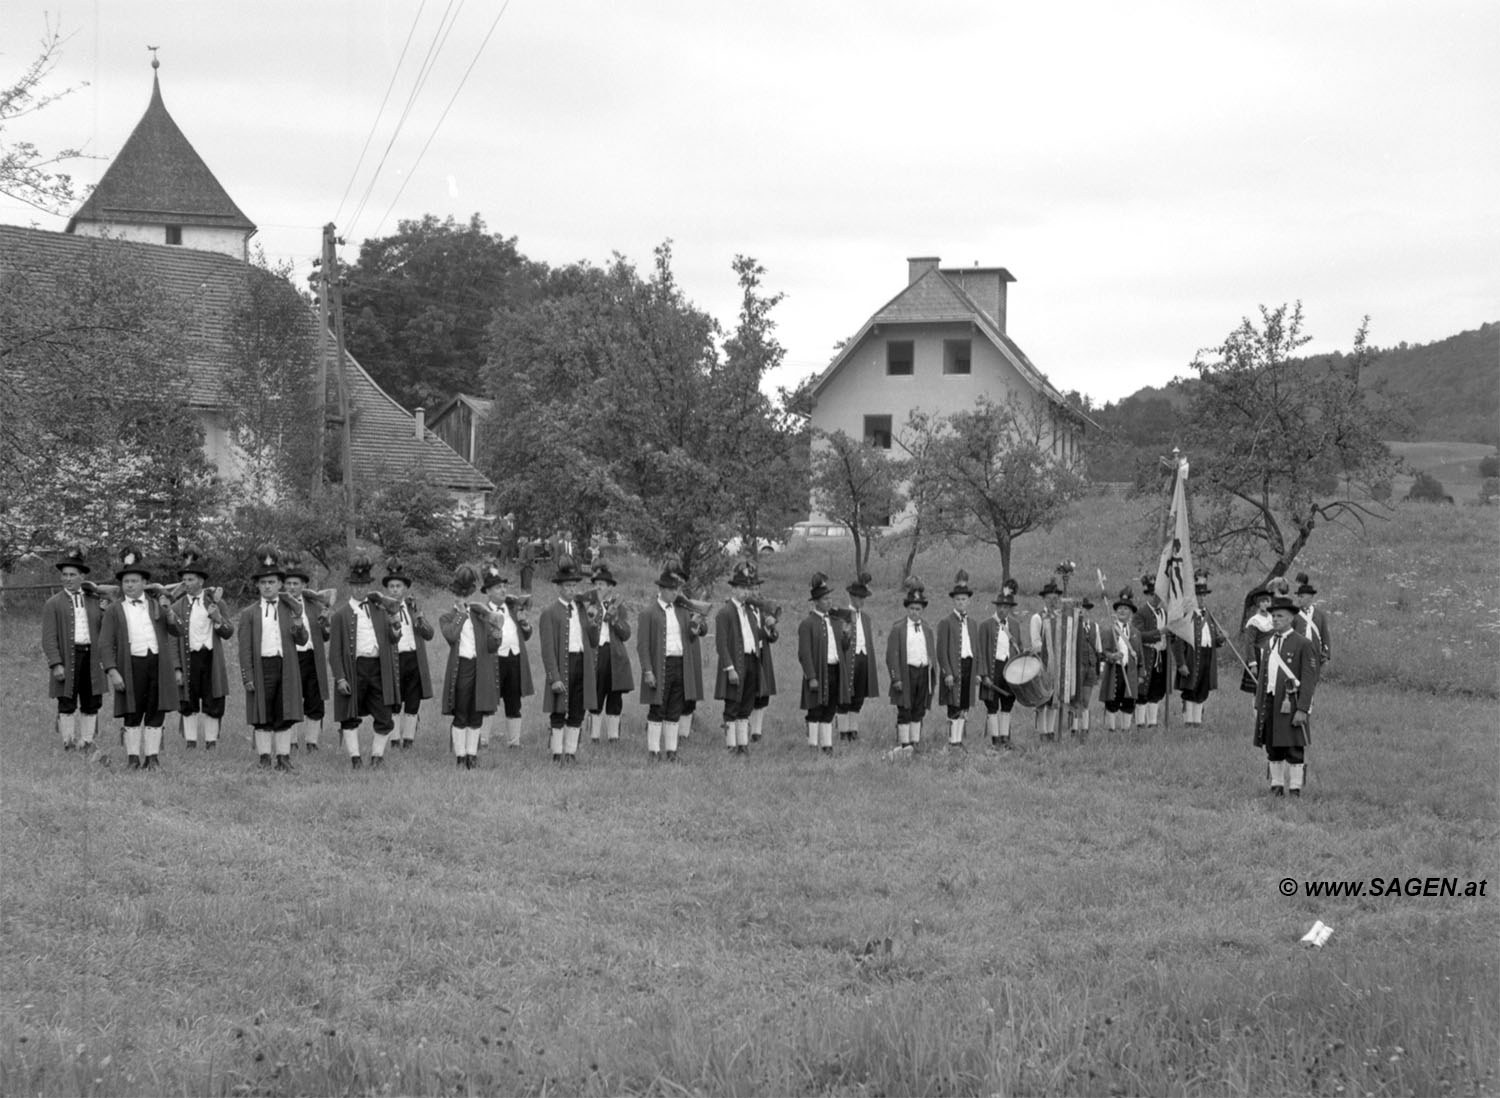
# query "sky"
(1150, 173)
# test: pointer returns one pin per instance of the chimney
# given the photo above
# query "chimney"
(985, 287)
(419, 419)
(917, 266)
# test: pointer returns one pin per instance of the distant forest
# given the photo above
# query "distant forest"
(1445, 391)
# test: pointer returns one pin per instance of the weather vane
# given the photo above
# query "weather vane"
(155, 64)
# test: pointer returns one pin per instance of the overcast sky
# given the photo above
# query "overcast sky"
(1149, 172)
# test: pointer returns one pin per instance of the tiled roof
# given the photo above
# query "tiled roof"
(480, 406)
(158, 177)
(934, 298)
(208, 285)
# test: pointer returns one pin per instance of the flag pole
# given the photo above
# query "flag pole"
(1166, 525)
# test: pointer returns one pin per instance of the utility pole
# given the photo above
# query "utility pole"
(333, 296)
(319, 279)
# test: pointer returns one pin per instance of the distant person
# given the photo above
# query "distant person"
(270, 632)
(999, 643)
(1197, 663)
(70, 644)
(1253, 630)
(859, 676)
(139, 654)
(200, 654)
(909, 659)
(527, 561)
(1285, 684)
(1311, 621)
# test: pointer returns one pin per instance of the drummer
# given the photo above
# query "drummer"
(999, 640)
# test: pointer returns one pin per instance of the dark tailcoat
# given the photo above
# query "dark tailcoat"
(770, 636)
(621, 677)
(862, 622)
(317, 628)
(1197, 669)
(57, 644)
(1273, 728)
(814, 635)
(896, 659)
(950, 659)
(553, 629)
(252, 621)
(218, 633)
(422, 631)
(1132, 669)
(114, 655)
(985, 664)
(730, 648)
(486, 644)
(651, 649)
(344, 635)
(1318, 632)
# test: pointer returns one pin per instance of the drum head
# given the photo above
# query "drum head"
(1022, 669)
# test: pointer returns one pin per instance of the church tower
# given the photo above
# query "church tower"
(158, 190)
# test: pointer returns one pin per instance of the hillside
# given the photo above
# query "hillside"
(1446, 391)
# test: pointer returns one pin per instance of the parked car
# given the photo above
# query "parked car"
(819, 531)
(734, 545)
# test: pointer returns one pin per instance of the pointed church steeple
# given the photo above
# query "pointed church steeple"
(159, 190)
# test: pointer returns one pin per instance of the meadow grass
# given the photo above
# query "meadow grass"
(1100, 918)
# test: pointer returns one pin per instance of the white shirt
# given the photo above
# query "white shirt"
(575, 627)
(747, 633)
(1205, 634)
(80, 621)
(674, 631)
(466, 639)
(307, 645)
(408, 641)
(916, 644)
(270, 629)
(365, 643)
(1274, 658)
(200, 626)
(142, 632)
(859, 633)
(603, 631)
(964, 650)
(1002, 640)
(833, 644)
(510, 636)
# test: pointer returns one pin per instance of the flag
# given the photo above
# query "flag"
(1174, 572)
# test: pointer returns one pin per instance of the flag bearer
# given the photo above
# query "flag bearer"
(140, 660)
(1285, 682)
(70, 643)
(200, 653)
(1197, 665)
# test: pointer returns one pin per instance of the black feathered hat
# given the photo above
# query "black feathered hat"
(72, 558)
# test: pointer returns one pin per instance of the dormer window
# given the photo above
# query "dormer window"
(174, 234)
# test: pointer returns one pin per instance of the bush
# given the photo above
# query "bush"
(1489, 490)
(418, 521)
(1489, 466)
(1428, 489)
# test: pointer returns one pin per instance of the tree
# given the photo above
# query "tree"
(993, 476)
(1277, 449)
(274, 408)
(762, 449)
(923, 485)
(858, 485)
(98, 443)
(27, 174)
(419, 301)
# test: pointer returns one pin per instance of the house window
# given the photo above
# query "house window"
(955, 356)
(899, 358)
(174, 234)
(878, 431)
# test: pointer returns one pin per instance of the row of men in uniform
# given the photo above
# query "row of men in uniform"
(378, 665)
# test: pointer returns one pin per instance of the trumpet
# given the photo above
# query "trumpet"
(766, 607)
(161, 590)
(694, 606)
(384, 601)
(518, 604)
(324, 597)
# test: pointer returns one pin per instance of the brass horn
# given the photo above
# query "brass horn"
(694, 606)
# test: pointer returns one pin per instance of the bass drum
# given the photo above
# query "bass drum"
(1029, 680)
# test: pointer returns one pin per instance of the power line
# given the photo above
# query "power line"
(434, 48)
(376, 123)
(463, 80)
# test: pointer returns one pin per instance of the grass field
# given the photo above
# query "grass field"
(1101, 918)
(1455, 464)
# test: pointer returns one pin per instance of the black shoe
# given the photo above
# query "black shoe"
(284, 762)
(406, 745)
(671, 756)
(1278, 791)
(153, 762)
(87, 748)
(296, 746)
(653, 756)
(377, 761)
(557, 759)
(755, 737)
(1294, 792)
(311, 748)
(355, 762)
(190, 744)
(471, 762)
(461, 760)
(265, 762)
(69, 747)
(854, 736)
(571, 760)
(210, 745)
(134, 763)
